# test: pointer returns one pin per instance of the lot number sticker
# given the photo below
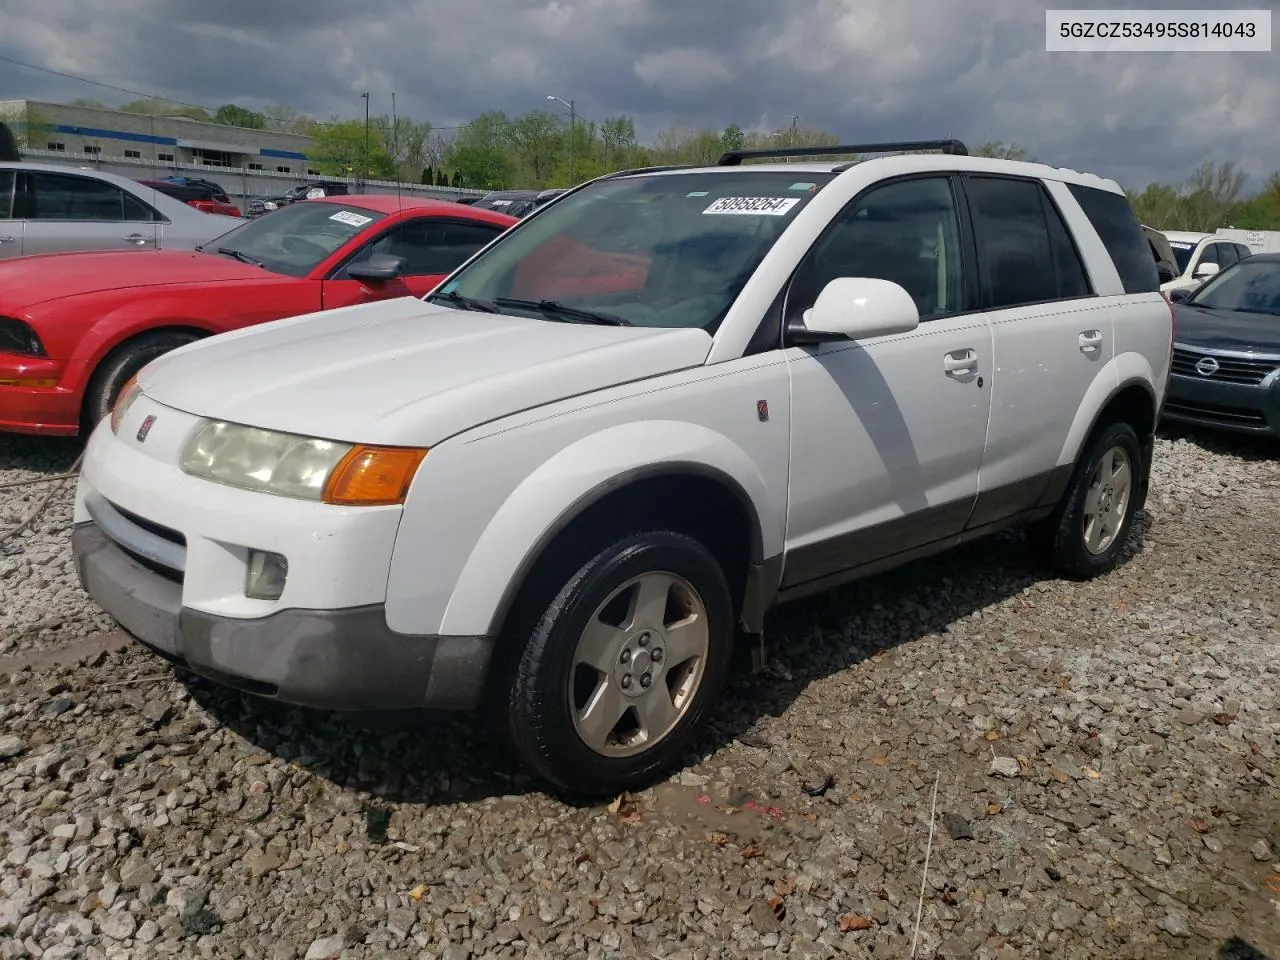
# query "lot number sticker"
(752, 206)
(353, 219)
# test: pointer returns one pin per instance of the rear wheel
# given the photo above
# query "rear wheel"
(1086, 533)
(121, 364)
(624, 665)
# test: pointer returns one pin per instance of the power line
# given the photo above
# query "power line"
(199, 106)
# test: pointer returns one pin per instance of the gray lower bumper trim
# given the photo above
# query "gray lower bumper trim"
(334, 659)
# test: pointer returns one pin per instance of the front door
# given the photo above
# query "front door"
(887, 433)
(66, 212)
(431, 248)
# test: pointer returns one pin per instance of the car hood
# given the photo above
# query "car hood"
(406, 372)
(1231, 330)
(27, 281)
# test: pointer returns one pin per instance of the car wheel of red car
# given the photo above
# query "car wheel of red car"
(121, 364)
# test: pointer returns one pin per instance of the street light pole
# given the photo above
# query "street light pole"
(572, 118)
(364, 167)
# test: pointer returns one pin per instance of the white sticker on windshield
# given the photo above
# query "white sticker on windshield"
(353, 219)
(1182, 246)
(802, 186)
(697, 193)
(753, 206)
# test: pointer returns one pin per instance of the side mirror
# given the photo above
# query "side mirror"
(856, 308)
(380, 266)
(1206, 270)
(1166, 272)
(1177, 296)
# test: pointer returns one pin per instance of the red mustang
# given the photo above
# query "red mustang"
(74, 327)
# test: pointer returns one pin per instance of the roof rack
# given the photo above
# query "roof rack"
(734, 158)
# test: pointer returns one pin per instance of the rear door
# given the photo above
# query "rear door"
(1051, 337)
(68, 212)
(10, 227)
(431, 247)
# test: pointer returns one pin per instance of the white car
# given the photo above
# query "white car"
(1201, 256)
(47, 208)
(570, 481)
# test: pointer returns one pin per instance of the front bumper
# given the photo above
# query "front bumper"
(34, 399)
(1252, 409)
(340, 659)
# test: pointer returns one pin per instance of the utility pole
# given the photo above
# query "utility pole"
(364, 167)
(572, 118)
(795, 118)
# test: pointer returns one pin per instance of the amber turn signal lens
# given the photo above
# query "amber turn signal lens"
(373, 476)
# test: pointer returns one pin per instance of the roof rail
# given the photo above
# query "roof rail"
(734, 158)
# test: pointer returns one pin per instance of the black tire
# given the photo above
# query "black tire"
(121, 364)
(540, 725)
(1059, 540)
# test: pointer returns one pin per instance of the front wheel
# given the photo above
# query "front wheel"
(1086, 533)
(121, 364)
(624, 665)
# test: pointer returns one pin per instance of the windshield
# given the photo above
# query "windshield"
(1250, 286)
(295, 239)
(657, 250)
(1182, 252)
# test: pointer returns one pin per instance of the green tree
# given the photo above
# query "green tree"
(282, 118)
(235, 116)
(1261, 211)
(1003, 151)
(732, 138)
(1158, 205)
(537, 139)
(457, 179)
(33, 129)
(442, 179)
(619, 145)
(339, 146)
(428, 177)
(159, 107)
(1210, 194)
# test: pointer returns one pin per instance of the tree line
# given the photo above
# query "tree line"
(497, 151)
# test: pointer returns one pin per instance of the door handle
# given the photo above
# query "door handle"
(6, 239)
(137, 238)
(959, 362)
(1090, 340)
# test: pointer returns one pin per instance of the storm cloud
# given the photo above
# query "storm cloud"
(866, 70)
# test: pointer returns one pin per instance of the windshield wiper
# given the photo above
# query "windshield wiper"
(553, 310)
(466, 303)
(242, 257)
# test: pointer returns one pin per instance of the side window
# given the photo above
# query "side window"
(57, 196)
(1226, 254)
(1208, 254)
(135, 211)
(430, 246)
(7, 179)
(1122, 235)
(1025, 254)
(1241, 249)
(907, 232)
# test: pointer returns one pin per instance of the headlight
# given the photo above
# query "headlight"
(304, 467)
(17, 336)
(128, 393)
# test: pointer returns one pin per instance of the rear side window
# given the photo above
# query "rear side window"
(1122, 235)
(6, 194)
(1226, 254)
(1240, 249)
(1025, 254)
(57, 196)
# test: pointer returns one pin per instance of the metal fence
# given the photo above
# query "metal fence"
(241, 183)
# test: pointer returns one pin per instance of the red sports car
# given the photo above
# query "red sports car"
(74, 327)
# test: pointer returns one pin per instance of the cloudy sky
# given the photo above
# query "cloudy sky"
(864, 69)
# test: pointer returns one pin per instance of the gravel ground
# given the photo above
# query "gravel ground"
(1104, 755)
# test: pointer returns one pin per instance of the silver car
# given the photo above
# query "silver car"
(45, 208)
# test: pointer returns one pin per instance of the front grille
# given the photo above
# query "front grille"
(1230, 369)
(165, 533)
(1212, 412)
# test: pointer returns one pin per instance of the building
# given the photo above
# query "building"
(160, 141)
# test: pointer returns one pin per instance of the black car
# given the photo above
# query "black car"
(1226, 350)
(326, 188)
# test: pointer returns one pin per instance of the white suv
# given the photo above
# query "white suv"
(1201, 256)
(570, 481)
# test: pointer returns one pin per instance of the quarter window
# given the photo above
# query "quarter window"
(1226, 254)
(906, 232)
(1120, 232)
(1025, 254)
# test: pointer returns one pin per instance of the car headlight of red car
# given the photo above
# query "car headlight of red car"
(17, 336)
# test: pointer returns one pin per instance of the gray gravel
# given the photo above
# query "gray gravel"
(1104, 754)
